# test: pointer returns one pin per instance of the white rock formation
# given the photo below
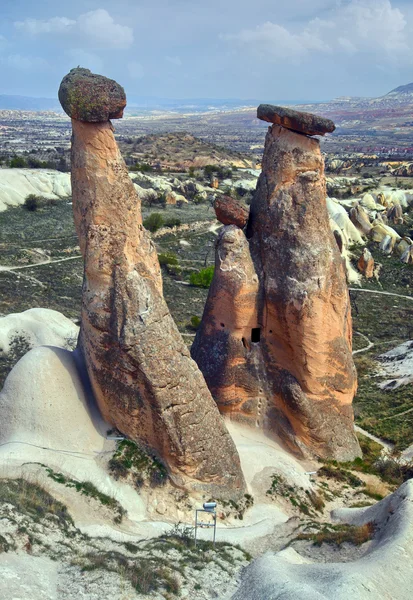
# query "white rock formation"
(48, 416)
(397, 366)
(17, 184)
(36, 327)
(384, 571)
(338, 213)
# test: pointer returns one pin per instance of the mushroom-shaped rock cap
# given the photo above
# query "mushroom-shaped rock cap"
(85, 96)
(302, 122)
(231, 212)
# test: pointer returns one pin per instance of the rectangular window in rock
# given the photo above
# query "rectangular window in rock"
(255, 335)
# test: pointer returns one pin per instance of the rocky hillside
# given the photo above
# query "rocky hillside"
(182, 151)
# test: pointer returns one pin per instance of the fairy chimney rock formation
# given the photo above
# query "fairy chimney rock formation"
(365, 264)
(292, 364)
(231, 212)
(300, 122)
(144, 380)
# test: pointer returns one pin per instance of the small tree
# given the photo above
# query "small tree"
(153, 222)
(202, 278)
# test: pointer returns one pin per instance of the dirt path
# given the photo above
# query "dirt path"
(379, 292)
(39, 264)
(369, 343)
(387, 446)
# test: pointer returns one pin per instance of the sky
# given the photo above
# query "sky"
(297, 50)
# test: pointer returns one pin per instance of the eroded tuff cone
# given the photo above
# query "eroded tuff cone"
(365, 264)
(222, 347)
(295, 371)
(360, 219)
(231, 212)
(407, 256)
(301, 122)
(395, 214)
(142, 375)
(85, 96)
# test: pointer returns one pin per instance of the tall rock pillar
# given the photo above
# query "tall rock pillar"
(299, 349)
(144, 380)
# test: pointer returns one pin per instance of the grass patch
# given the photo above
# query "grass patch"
(338, 473)
(339, 534)
(86, 488)
(236, 509)
(31, 499)
(307, 501)
(130, 458)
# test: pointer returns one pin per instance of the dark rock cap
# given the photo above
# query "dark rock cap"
(85, 96)
(302, 122)
(231, 212)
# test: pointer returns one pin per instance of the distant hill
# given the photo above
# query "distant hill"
(28, 103)
(183, 150)
(402, 90)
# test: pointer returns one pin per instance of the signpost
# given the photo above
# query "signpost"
(209, 508)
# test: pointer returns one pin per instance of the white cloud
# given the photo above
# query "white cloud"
(358, 26)
(96, 27)
(24, 63)
(98, 24)
(37, 27)
(135, 70)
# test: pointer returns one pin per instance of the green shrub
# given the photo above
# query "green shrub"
(202, 278)
(172, 222)
(168, 258)
(32, 202)
(18, 162)
(195, 322)
(131, 458)
(154, 222)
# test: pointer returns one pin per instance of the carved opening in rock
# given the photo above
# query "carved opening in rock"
(255, 335)
(222, 325)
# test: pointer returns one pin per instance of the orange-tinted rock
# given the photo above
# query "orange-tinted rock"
(222, 347)
(142, 375)
(301, 122)
(298, 351)
(365, 264)
(231, 212)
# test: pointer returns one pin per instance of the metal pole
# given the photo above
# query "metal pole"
(215, 527)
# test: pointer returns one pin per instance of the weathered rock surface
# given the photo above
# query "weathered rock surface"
(17, 184)
(365, 264)
(384, 571)
(36, 327)
(231, 212)
(85, 96)
(360, 219)
(295, 365)
(141, 372)
(300, 122)
(222, 347)
(397, 365)
(407, 256)
(395, 214)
